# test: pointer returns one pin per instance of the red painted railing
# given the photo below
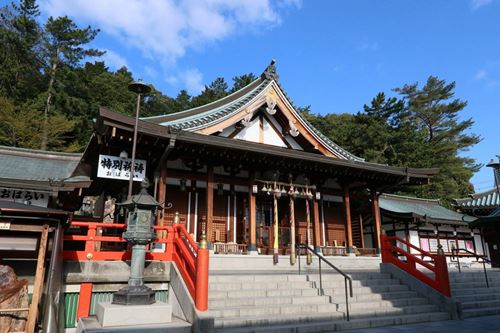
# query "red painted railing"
(180, 248)
(391, 253)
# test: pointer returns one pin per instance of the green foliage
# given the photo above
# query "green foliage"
(420, 128)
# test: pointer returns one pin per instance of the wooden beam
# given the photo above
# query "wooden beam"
(38, 284)
(210, 202)
(162, 194)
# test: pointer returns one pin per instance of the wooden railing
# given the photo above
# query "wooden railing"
(229, 248)
(391, 254)
(179, 247)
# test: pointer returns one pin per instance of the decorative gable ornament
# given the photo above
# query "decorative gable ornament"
(247, 120)
(271, 105)
(293, 130)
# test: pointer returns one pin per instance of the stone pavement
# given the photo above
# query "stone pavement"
(489, 324)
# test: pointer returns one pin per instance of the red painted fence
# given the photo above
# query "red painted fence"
(391, 253)
(180, 248)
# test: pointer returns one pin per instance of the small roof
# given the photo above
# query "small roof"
(484, 200)
(16, 208)
(489, 220)
(426, 209)
(38, 169)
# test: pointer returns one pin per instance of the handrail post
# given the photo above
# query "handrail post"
(347, 299)
(458, 263)
(441, 273)
(201, 289)
(298, 256)
(90, 244)
(320, 279)
(485, 274)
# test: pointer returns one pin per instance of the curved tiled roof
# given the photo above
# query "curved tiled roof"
(213, 113)
(484, 200)
(431, 209)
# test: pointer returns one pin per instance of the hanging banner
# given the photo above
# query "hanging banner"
(115, 167)
(40, 199)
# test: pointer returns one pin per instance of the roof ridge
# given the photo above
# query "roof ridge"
(398, 196)
(473, 196)
(30, 152)
(204, 105)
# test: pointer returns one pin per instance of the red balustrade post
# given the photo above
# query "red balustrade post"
(84, 300)
(90, 243)
(385, 247)
(442, 278)
(201, 289)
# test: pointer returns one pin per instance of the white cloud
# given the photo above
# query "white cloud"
(481, 74)
(476, 4)
(114, 60)
(368, 46)
(168, 28)
(193, 81)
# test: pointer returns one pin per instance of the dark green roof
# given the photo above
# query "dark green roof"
(28, 167)
(483, 200)
(425, 209)
(217, 111)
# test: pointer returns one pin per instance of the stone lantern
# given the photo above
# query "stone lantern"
(142, 209)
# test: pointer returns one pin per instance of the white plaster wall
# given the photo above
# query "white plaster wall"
(270, 135)
(250, 133)
(477, 243)
(414, 240)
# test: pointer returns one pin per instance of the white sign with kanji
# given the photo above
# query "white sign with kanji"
(119, 168)
(27, 197)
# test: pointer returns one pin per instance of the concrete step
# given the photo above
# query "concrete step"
(480, 284)
(256, 278)
(235, 285)
(357, 283)
(474, 291)
(366, 290)
(382, 304)
(383, 296)
(316, 325)
(245, 311)
(354, 275)
(479, 312)
(481, 304)
(222, 294)
(393, 311)
(263, 301)
(478, 298)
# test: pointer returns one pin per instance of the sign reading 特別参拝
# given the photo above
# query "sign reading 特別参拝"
(115, 167)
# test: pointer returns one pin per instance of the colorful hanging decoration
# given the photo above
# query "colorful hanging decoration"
(291, 194)
(277, 193)
(308, 231)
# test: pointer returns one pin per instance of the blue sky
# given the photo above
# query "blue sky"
(334, 55)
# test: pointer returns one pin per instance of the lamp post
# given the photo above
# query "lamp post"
(140, 88)
(142, 209)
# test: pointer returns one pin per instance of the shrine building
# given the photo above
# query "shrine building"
(251, 172)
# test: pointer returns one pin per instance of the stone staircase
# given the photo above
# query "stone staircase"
(469, 288)
(289, 302)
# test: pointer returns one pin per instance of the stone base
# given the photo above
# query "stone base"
(109, 314)
(140, 295)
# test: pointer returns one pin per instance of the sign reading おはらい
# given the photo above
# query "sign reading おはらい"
(115, 167)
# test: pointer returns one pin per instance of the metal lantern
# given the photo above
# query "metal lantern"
(142, 209)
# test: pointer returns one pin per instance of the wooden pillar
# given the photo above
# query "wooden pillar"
(162, 194)
(38, 283)
(317, 235)
(348, 220)
(252, 212)
(376, 220)
(210, 202)
(231, 235)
